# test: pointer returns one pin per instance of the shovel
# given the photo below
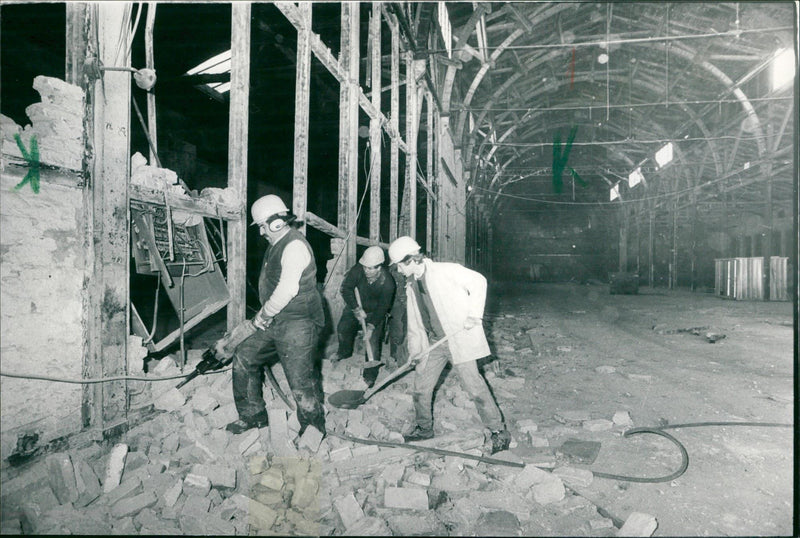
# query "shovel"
(370, 371)
(351, 399)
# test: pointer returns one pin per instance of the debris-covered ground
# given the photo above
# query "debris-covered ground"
(573, 368)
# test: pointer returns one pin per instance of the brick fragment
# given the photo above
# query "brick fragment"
(196, 485)
(61, 475)
(171, 495)
(311, 439)
(87, 483)
(638, 524)
(408, 498)
(218, 475)
(341, 454)
(248, 439)
(116, 463)
(171, 400)
(127, 489)
(261, 516)
(598, 425)
(132, 505)
(348, 509)
(272, 478)
(574, 477)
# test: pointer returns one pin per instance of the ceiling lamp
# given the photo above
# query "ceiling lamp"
(635, 177)
(603, 58)
(664, 155)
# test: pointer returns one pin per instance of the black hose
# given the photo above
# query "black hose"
(633, 431)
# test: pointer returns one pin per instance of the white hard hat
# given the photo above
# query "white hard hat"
(267, 206)
(402, 247)
(372, 256)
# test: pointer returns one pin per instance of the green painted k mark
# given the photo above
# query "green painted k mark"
(32, 176)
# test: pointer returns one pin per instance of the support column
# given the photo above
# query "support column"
(651, 272)
(106, 404)
(375, 163)
(623, 241)
(394, 119)
(429, 176)
(411, 141)
(348, 130)
(768, 217)
(237, 158)
(301, 113)
(673, 280)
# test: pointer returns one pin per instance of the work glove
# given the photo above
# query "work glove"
(262, 321)
(360, 314)
(221, 350)
(471, 322)
(225, 346)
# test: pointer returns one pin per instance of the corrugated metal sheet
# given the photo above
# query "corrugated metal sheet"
(743, 278)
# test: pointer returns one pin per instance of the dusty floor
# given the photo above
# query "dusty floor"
(571, 363)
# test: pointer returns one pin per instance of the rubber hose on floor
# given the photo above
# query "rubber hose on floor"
(633, 431)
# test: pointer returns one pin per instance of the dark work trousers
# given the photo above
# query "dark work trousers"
(296, 344)
(347, 329)
(397, 332)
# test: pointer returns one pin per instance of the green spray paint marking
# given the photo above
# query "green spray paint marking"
(560, 160)
(32, 176)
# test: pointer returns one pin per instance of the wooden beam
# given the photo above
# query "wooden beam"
(151, 97)
(76, 34)
(108, 308)
(429, 174)
(302, 97)
(375, 125)
(237, 158)
(348, 130)
(394, 114)
(326, 227)
(412, 124)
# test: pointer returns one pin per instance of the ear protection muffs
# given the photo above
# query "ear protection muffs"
(275, 224)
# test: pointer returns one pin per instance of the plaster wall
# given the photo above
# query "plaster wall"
(41, 293)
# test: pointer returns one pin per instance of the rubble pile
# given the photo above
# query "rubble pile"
(181, 472)
(56, 122)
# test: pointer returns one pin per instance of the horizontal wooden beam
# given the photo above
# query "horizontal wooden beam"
(206, 208)
(324, 226)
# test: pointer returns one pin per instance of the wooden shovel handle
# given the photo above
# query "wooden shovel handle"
(409, 365)
(370, 356)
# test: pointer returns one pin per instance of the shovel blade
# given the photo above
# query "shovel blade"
(347, 399)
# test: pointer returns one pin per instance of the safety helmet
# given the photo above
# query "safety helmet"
(372, 256)
(402, 247)
(267, 206)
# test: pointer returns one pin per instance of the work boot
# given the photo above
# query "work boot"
(418, 434)
(242, 425)
(501, 440)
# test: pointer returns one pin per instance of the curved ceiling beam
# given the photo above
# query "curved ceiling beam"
(461, 36)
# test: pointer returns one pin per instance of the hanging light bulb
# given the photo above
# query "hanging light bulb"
(602, 58)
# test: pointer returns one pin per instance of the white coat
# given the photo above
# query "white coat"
(456, 293)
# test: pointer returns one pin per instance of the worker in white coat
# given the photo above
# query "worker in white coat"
(446, 299)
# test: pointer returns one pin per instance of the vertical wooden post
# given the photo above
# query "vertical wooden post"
(375, 163)
(429, 176)
(301, 113)
(693, 253)
(152, 127)
(348, 130)
(237, 158)
(76, 42)
(411, 141)
(394, 119)
(107, 326)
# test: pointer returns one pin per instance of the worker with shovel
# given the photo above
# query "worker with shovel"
(289, 322)
(446, 300)
(368, 291)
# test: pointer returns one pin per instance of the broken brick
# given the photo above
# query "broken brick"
(196, 485)
(638, 524)
(311, 439)
(218, 475)
(133, 505)
(116, 463)
(348, 509)
(62, 477)
(129, 488)
(408, 498)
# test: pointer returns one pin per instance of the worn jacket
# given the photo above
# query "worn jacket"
(456, 293)
(376, 298)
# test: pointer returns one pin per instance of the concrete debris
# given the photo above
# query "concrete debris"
(640, 377)
(598, 425)
(87, 483)
(172, 494)
(171, 400)
(369, 526)
(220, 476)
(62, 477)
(132, 505)
(572, 416)
(605, 369)
(272, 478)
(527, 425)
(129, 488)
(195, 484)
(349, 510)
(497, 523)
(604, 523)
(538, 441)
(249, 438)
(116, 463)
(407, 498)
(638, 524)
(340, 454)
(310, 439)
(622, 418)
(419, 479)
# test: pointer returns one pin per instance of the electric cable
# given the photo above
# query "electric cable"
(91, 380)
(152, 333)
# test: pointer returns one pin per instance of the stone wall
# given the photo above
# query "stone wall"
(42, 269)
